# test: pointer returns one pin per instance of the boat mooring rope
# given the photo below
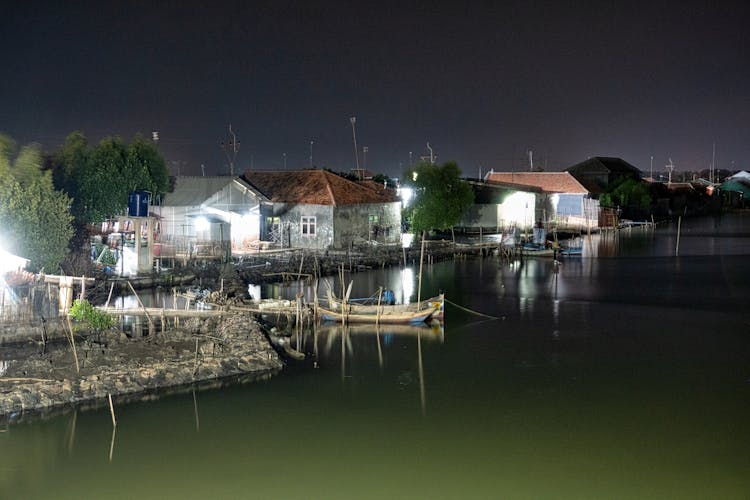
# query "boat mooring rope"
(469, 310)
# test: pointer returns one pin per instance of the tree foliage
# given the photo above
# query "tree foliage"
(440, 196)
(100, 178)
(629, 193)
(35, 219)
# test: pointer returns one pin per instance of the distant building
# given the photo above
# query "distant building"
(546, 196)
(599, 172)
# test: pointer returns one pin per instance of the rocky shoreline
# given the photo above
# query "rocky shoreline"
(45, 377)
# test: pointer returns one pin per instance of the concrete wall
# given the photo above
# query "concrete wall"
(291, 221)
(352, 224)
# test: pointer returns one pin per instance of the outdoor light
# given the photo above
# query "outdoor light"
(201, 224)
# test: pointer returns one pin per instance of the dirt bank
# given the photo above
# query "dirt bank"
(39, 377)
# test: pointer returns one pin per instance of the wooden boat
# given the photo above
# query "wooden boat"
(414, 313)
(536, 250)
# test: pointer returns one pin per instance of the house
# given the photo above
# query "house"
(599, 172)
(209, 217)
(736, 189)
(498, 206)
(546, 196)
(319, 209)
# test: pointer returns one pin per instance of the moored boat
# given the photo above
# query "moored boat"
(354, 312)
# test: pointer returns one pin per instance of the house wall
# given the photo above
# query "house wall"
(291, 225)
(353, 226)
(484, 215)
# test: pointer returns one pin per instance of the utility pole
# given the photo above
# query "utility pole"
(652, 168)
(670, 168)
(230, 148)
(353, 120)
(713, 162)
(365, 149)
(311, 158)
(284, 156)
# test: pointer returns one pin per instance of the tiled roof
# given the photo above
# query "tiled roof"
(551, 182)
(316, 187)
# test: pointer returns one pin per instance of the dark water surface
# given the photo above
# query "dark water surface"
(624, 375)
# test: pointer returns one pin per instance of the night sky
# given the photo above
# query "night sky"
(482, 82)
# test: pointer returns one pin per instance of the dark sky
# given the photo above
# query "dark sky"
(482, 82)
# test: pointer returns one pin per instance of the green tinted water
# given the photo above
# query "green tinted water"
(621, 377)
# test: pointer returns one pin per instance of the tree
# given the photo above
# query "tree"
(99, 179)
(629, 193)
(34, 217)
(440, 196)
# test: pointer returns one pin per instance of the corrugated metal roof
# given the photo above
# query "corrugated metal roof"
(192, 191)
(551, 182)
(315, 187)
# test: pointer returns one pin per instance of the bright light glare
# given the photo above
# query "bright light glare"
(406, 239)
(10, 262)
(201, 224)
(518, 209)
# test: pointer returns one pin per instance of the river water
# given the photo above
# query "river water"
(624, 373)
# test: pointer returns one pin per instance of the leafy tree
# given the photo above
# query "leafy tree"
(145, 161)
(99, 179)
(34, 217)
(440, 196)
(629, 193)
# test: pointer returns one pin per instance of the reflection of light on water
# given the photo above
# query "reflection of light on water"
(407, 284)
(4, 366)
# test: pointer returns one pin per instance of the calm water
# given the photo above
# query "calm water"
(626, 375)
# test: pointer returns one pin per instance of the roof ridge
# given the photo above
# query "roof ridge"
(328, 186)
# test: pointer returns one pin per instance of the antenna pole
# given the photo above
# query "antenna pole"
(353, 120)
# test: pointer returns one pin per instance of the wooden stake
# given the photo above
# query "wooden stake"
(112, 410)
(419, 278)
(150, 321)
(377, 316)
(109, 297)
(73, 344)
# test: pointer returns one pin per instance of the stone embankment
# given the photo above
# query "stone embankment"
(43, 377)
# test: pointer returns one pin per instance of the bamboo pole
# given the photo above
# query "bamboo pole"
(377, 316)
(112, 410)
(195, 411)
(301, 262)
(150, 321)
(419, 278)
(109, 297)
(73, 344)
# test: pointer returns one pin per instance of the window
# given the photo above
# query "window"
(373, 219)
(308, 225)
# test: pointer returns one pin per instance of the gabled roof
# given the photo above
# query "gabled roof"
(551, 182)
(605, 164)
(193, 190)
(315, 187)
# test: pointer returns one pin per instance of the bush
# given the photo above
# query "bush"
(84, 312)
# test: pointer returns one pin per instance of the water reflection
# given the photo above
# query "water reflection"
(360, 345)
